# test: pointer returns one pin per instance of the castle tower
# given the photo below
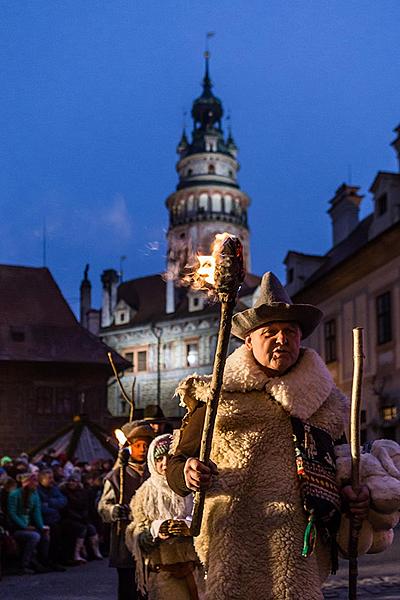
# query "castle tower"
(208, 199)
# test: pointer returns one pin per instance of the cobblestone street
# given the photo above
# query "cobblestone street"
(379, 577)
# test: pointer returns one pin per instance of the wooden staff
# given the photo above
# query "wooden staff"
(228, 278)
(130, 401)
(123, 463)
(355, 441)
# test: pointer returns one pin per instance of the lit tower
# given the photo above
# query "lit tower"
(208, 199)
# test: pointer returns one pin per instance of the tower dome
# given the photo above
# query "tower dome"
(208, 199)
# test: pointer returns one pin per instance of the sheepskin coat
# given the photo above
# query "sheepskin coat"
(252, 533)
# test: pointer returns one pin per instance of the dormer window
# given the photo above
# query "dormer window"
(196, 302)
(382, 204)
(121, 317)
(290, 275)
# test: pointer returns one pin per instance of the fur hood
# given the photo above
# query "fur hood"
(300, 392)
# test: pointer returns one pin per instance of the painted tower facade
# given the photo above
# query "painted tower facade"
(208, 199)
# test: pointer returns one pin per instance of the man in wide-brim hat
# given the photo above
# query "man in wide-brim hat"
(278, 416)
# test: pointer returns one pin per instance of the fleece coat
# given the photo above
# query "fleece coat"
(252, 533)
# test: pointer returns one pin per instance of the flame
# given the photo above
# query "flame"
(206, 270)
(121, 437)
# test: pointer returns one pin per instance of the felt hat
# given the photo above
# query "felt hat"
(153, 413)
(134, 430)
(274, 304)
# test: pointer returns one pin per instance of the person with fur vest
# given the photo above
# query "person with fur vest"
(158, 536)
(139, 435)
(273, 506)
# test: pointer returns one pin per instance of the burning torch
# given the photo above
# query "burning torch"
(123, 456)
(224, 274)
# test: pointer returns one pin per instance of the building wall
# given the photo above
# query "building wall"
(38, 399)
(176, 338)
(356, 305)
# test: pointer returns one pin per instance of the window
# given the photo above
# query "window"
(389, 413)
(121, 317)
(192, 354)
(382, 204)
(330, 340)
(54, 400)
(17, 335)
(363, 416)
(290, 275)
(138, 359)
(142, 360)
(129, 357)
(211, 169)
(384, 318)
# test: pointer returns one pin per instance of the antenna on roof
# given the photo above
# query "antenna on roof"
(44, 243)
(121, 272)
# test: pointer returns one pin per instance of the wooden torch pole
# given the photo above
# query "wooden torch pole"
(229, 275)
(355, 442)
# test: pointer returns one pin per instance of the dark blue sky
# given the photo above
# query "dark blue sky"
(91, 101)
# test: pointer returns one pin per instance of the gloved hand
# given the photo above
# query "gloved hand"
(120, 512)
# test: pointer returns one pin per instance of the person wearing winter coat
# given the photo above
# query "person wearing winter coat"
(139, 436)
(52, 501)
(273, 506)
(28, 528)
(158, 536)
(75, 520)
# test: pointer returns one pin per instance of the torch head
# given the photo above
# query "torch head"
(229, 269)
(124, 455)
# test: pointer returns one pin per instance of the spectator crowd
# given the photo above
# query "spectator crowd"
(48, 513)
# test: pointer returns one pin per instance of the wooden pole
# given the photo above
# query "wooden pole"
(212, 406)
(355, 442)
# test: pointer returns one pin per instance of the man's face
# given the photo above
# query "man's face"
(139, 449)
(275, 346)
(46, 479)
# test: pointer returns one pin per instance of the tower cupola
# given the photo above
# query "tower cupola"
(208, 199)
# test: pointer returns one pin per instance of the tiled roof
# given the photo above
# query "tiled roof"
(147, 296)
(36, 323)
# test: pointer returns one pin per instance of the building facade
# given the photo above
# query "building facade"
(51, 368)
(167, 331)
(357, 283)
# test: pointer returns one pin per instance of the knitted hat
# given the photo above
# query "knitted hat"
(274, 304)
(134, 430)
(162, 445)
(5, 460)
(26, 478)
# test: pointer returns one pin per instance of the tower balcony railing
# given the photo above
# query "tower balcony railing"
(206, 215)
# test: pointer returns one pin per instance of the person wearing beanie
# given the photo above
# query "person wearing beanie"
(159, 533)
(139, 435)
(279, 417)
(25, 516)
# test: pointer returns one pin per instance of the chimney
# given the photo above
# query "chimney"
(344, 212)
(170, 297)
(110, 282)
(85, 298)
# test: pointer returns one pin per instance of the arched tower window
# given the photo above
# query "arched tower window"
(211, 168)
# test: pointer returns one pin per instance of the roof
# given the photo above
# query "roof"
(37, 325)
(147, 296)
(355, 256)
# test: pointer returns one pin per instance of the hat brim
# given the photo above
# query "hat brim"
(306, 315)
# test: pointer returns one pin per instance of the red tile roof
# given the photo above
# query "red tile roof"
(36, 323)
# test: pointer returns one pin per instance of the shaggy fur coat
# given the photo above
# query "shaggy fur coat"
(252, 533)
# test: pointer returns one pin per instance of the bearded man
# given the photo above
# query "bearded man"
(279, 416)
